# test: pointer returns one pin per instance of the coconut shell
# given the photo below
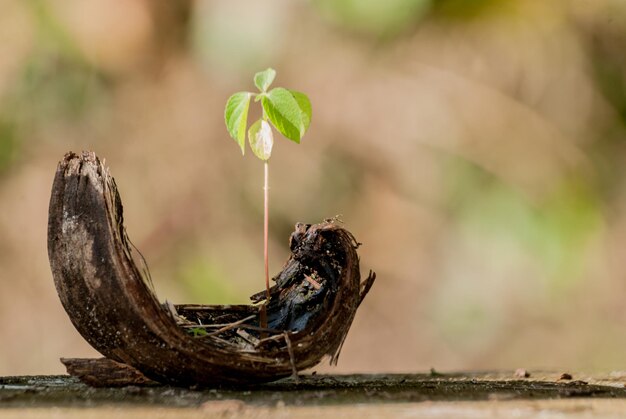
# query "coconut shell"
(106, 291)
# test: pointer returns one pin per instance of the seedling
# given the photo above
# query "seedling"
(287, 111)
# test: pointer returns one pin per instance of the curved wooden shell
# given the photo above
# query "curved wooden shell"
(109, 301)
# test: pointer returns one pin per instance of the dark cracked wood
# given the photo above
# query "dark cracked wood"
(110, 302)
(350, 390)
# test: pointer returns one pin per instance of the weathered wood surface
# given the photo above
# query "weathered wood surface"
(536, 409)
(390, 395)
(109, 300)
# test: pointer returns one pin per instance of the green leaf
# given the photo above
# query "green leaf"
(236, 117)
(261, 139)
(305, 107)
(263, 79)
(197, 331)
(283, 111)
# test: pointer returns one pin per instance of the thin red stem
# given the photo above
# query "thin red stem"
(266, 222)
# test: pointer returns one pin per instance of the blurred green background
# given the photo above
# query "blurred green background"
(476, 148)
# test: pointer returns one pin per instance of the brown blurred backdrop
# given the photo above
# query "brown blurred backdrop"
(476, 148)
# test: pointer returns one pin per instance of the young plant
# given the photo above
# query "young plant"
(287, 111)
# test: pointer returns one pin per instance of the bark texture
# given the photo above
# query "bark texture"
(104, 372)
(107, 294)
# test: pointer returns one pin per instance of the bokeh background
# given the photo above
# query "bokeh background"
(476, 148)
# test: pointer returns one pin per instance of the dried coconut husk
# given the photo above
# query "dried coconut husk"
(106, 290)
